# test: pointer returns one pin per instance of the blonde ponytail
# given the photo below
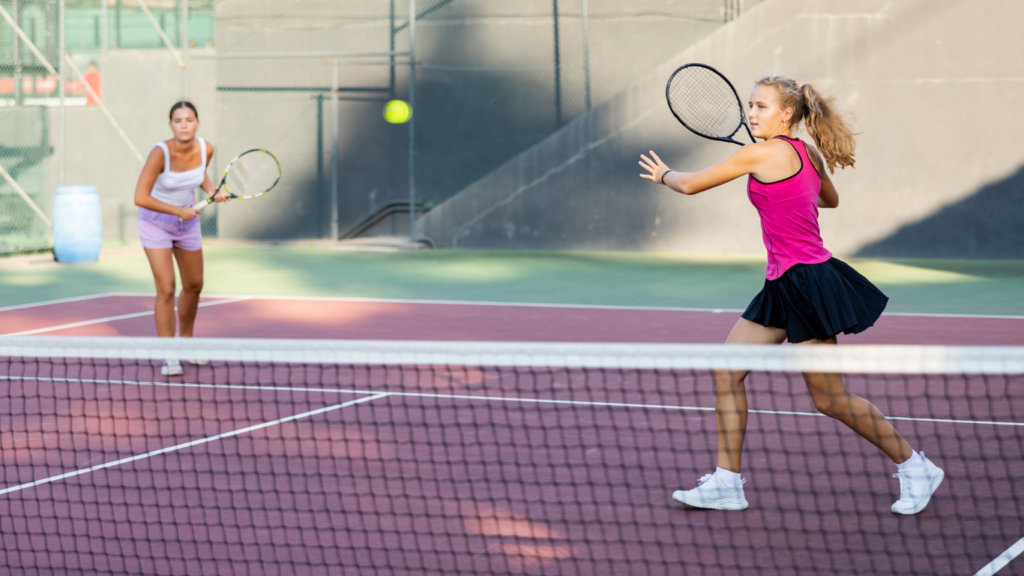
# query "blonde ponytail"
(832, 135)
(825, 123)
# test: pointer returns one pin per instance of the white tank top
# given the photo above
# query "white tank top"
(178, 188)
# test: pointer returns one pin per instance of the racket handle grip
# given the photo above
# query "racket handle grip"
(202, 204)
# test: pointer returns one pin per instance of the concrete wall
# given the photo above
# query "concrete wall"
(933, 87)
(485, 92)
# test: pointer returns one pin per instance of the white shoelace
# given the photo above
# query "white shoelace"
(906, 485)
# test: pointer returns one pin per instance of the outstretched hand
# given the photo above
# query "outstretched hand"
(656, 168)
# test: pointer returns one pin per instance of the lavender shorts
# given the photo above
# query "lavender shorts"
(159, 230)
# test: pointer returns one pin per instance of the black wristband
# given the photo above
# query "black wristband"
(663, 174)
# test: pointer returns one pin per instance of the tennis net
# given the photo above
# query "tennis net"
(382, 457)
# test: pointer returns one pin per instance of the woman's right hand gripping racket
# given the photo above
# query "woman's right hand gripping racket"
(704, 101)
(251, 174)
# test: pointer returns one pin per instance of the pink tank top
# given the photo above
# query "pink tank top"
(789, 216)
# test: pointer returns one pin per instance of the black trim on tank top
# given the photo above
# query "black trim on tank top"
(801, 158)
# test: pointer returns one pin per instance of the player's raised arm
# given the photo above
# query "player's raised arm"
(744, 161)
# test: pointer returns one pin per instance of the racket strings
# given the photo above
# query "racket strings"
(705, 102)
(252, 174)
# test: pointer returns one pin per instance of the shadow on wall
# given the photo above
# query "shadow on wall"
(467, 124)
(473, 122)
(988, 225)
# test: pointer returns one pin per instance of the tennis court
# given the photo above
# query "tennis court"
(259, 466)
(228, 316)
(464, 313)
(459, 461)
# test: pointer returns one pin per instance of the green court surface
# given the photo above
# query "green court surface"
(592, 278)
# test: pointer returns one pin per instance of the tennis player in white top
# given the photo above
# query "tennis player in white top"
(168, 224)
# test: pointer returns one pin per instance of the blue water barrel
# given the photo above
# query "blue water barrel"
(77, 225)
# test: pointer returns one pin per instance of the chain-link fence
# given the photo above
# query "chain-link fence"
(27, 89)
(32, 119)
(307, 79)
(533, 68)
(491, 80)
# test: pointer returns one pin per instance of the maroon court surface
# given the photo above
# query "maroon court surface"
(237, 317)
(258, 469)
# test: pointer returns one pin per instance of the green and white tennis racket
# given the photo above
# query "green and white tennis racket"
(251, 174)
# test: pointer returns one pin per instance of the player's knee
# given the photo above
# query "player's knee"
(193, 286)
(824, 407)
(826, 404)
(165, 290)
(727, 379)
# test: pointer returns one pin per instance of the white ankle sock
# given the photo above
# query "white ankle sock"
(915, 461)
(730, 478)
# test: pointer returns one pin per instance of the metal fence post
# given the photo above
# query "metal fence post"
(586, 53)
(558, 68)
(16, 53)
(60, 87)
(184, 49)
(391, 48)
(412, 119)
(117, 22)
(104, 39)
(334, 151)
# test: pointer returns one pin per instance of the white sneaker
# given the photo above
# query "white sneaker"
(917, 486)
(198, 362)
(713, 493)
(171, 368)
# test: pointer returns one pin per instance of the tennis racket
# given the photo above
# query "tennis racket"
(704, 101)
(251, 174)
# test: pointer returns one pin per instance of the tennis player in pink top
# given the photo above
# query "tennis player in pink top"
(808, 297)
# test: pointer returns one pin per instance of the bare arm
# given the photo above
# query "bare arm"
(744, 161)
(214, 194)
(207, 185)
(828, 197)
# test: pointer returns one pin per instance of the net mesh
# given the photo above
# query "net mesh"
(252, 174)
(704, 102)
(295, 457)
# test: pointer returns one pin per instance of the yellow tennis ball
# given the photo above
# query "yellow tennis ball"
(397, 112)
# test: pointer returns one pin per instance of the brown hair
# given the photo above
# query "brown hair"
(825, 123)
(183, 104)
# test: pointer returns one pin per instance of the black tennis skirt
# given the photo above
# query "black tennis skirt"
(818, 301)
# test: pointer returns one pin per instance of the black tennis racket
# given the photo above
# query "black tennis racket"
(704, 101)
(251, 174)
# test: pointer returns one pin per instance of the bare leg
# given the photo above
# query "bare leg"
(163, 276)
(832, 399)
(731, 395)
(190, 265)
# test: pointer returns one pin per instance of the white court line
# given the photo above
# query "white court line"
(60, 301)
(452, 302)
(485, 303)
(472, 397)
(189, 444)
(111, 319)
(543, 305)
(1002, 560)
(969, 316)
